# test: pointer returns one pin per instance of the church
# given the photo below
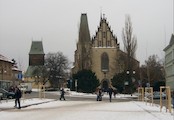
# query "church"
(100, 53)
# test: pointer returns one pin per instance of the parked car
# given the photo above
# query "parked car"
(6, 94)
(156, 95)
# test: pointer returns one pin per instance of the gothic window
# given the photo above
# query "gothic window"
(99, 44)
(104, 62)
(108, 43)
(104, 34)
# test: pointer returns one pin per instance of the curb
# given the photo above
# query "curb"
(25, 106)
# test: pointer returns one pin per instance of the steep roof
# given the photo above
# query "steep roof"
(170, 43)
(172, 40)
(16, 69)
(84, 35)
(105, 31)
(36, 48)
(29, 72)
(3, 58)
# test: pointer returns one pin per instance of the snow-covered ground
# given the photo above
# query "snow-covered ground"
(49, 109)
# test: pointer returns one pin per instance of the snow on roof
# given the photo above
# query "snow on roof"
(15, 69)
(3, 58)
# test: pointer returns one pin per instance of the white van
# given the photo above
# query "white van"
(26, 87)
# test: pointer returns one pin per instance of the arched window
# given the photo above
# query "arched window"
(104, 62)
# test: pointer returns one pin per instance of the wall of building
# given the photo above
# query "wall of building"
(5, 70)
(169, 67)
(96, 62)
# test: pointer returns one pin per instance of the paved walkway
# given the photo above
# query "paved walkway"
(82, 110)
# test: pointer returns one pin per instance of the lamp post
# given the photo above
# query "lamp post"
(71, 84)
(130, 79)
(76, 84)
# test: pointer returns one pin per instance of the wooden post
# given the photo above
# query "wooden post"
(161, 104)
(150, 91)
(39, 90)
(140, 93)
(23, 94)
(168, 98)
(43, 91)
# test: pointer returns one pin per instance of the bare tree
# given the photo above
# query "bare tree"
(57, 65)
(155, 70)
(41, 74)
(129, 41)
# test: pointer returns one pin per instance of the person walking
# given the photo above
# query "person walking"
(110, 93)
(62, 94)
(18, 95)
(99, 95)
(115, 92)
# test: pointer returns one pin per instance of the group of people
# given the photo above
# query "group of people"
(110, 91)
(99, 94)
(18, 95)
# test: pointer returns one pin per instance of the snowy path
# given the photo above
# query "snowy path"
(86, 110)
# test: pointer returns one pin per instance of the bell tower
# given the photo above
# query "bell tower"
(36, 54)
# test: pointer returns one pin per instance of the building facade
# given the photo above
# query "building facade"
(101, 53)
(8, 73)
(169, 63)
(5, 68)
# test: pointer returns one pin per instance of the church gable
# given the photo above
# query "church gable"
(104, 36)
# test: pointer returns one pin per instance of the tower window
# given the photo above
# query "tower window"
(99, 44)
(104, 34)
(108, 43)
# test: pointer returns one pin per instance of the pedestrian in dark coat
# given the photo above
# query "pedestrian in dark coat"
(99, 95)
(110, 93)
(115, 92)
(62, 93)
(18, 95)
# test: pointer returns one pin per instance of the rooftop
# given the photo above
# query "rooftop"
(3, 58)
(36, 48)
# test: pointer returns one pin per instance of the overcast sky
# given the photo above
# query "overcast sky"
(55, 22)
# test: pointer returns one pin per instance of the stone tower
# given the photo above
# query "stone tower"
(83, 52)
(36, 54)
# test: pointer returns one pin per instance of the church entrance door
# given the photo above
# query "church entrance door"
(105, 85)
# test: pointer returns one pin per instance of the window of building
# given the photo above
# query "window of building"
(104, 62)
(108, 43)
(99, 44)
(104, 34)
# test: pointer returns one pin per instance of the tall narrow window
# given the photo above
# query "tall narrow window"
(104, 62)
(99, 44)
(108, 43)
(104, 34)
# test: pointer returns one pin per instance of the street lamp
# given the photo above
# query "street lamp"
(71, 84)
(130, 79)
(76, 84)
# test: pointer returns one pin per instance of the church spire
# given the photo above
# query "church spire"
(84, 44)
(84, 35)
